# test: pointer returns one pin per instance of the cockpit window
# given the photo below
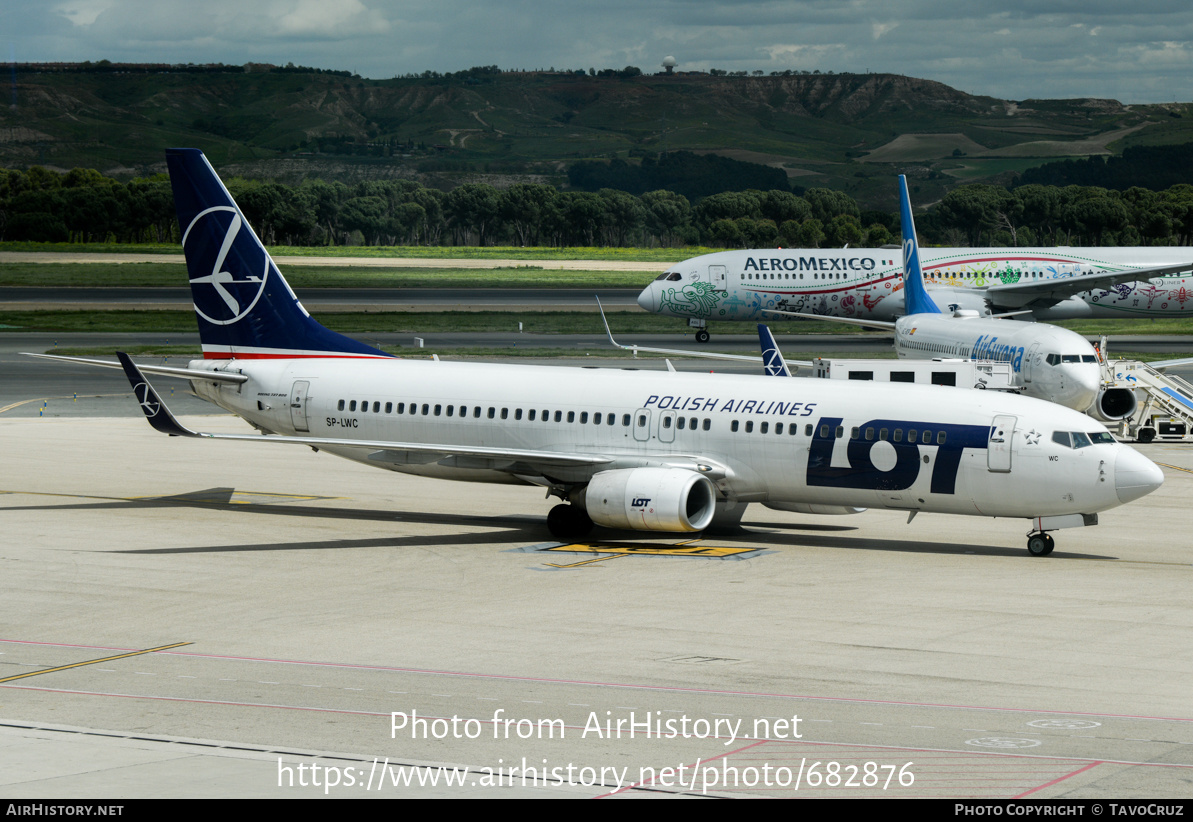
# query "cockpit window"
(1070, 358)
(675, 276)
(1088, 358)
(1054, 359)
(1080, 439)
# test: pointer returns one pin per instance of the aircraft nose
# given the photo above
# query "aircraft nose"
(1084, 384)
(1135, 475)
(647, 298)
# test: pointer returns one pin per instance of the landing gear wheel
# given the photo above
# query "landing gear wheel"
(1145, 435)
(1040, 545)
(567, 522)
(702, 336)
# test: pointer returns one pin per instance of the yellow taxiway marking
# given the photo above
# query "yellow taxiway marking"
(584, 561)
(93, 661)
(1175, 467)
(682, 549)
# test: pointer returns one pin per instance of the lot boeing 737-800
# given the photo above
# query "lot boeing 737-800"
(647, 451)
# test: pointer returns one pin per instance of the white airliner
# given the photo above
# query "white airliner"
(649, 451)
(867, 283)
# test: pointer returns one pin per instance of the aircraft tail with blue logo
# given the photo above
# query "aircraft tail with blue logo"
(772, 358)
(245, 308)
(915, 296)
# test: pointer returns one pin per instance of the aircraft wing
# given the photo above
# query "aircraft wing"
(1052, 291)
(679, 352)
(1160, 365)
(515, 460)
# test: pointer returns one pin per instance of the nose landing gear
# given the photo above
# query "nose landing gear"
(1040, 544)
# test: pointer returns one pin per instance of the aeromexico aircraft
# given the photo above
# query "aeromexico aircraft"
(648, 451)
(1047, 362)
(867, 283)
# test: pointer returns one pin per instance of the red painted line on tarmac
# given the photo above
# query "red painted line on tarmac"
(622, 685)
(699, 762)
(1060, 779)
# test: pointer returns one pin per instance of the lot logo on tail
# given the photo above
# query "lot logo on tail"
(147, 399)
(235, 284)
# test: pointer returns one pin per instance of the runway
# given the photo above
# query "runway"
(200, 618)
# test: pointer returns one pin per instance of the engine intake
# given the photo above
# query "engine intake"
(1114, 404)
(651, 499)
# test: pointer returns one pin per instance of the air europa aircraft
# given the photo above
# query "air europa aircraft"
(648, 451)
(1047, 362)
(867, 283)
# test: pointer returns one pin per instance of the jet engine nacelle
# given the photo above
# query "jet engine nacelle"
(1114, 404)
(953, 300)
(651, 499)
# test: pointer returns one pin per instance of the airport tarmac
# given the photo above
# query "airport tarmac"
(209, 618)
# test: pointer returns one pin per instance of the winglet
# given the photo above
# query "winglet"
(772, 358)
(155, 410)
(916, 300)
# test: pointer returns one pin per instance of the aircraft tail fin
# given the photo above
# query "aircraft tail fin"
(772, 358)
(916, 299)
(245, 308)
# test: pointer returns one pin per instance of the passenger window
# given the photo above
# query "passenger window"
(426, 409)
(763, 427)
(749, 426)
(840, 432)
(625, 420)
(531, 417)
(438, 410)
(450, 408)
(708, 424)
(389, 408)
(778, 428)
(940, 437)
(680, 423)
(855, 432)
(492, 412)
(583, 417)
(898, 435)
(559, 416)
(824, 432)
(733, 426)
(911, 435)
(641, 420)
(666, 422)
(352, 405)
(517, 413)
(596, 418)
(869, 434)
(505, 413)
(341, 406)
(571, 416)
(377, 407)
(808, 430)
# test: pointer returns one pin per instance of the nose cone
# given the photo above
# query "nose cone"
(1082, 383)
(1135, 475)
(647, 299)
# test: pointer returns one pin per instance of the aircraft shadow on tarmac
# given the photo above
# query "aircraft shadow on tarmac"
(513, 528)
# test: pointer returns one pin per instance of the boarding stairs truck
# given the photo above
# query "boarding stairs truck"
(1164, 402)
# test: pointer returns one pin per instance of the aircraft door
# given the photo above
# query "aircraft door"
(667, 426)
(298, 404)
(716, 275)
(641, 425)
(998, 449)
(1029, 362)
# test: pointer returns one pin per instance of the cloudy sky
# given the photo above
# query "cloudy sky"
(1136, 52)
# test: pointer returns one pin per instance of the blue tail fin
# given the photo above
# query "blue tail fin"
(772, 358)
(245, 309)
(915, 299)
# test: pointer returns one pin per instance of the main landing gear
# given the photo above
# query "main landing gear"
(568, 522)
(1040, 544)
